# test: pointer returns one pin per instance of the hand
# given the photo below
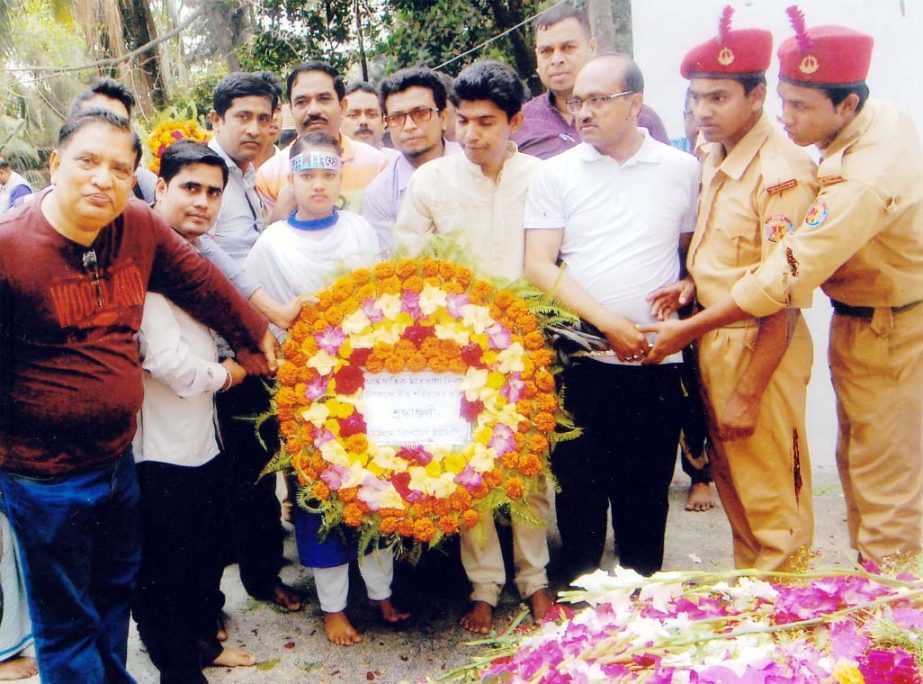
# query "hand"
(260, 364)
(236, 372)
(672, 336)
(667, 300)
(285, 203)
(739, 418)
(624, 337)
(286, 314)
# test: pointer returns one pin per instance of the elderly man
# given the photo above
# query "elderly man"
(74, 268)
(415, 103)
(318, 100)
(605, 225)
(562, 46)
(861, 241)
(363, 120)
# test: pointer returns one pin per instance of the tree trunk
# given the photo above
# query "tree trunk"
(624, 41)
(507, 15)
(139, 29)
(601, 23)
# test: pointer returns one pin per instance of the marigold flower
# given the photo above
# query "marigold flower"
(533, 340)
(493, 478)
(538, 443)
(319, 326)
(383, 270)
(460, 499)
(446, 270)
(510, 459)
(293, 445)
(430, 347)
(529, 390)
(358, 444)
(394, 363)
(375, 364)
(548, 402)
(429, 268)
(285, 414)
(416, 362)
(405, 527)
(352, 514)
(423, 530)
(525, 407)
(361, 276)
(526, 323)
(335, 314)
(413, 284)
(287, 374)
(390, 285)
(405, 268)
(317, 461)
(544, 381)
(321, 491)
(528, 368)
(285, 396)
(438, 364)
(519, 441)
(545, 422)
(470, 518)
(456, 365)
(388, 525)
(324, 301)
(448, 524)
(513, 487)
(367, 291)
(342, 288)
(529, 465)
(453, 287)
(348, 494)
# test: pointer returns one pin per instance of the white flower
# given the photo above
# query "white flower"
(474, 380)
(431, 298)
(510, 359)
(322, 362)
(389, 334)
(316, 415)
(452, 331)
(661, 593)
(483, 458)
(355, 322)
(389, 305)
(385, 457)
(478, 317)
(389, 498)
(334, 452)
(443, 486)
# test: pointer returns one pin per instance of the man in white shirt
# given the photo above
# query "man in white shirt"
(614, 212)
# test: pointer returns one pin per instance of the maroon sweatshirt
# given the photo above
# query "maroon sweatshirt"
(70, 378)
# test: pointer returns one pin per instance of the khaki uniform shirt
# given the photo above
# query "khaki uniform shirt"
(862, 238)
(750, 200)
(452, 195)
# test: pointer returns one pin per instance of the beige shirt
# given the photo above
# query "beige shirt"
(862, 238)
(750, 200)
(452, 195)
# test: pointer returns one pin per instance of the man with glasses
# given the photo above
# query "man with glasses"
(563, 44)
(478, 196)
(414, 101)
(606, 224)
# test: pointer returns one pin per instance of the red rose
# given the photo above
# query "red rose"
(416, 333)
(470, 410)
(348, 380)
(353, 425)
(471, 355)
(359, 356)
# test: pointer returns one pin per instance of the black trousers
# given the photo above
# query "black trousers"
(178, 601)
(255, 527)
(694, 438)
(631, 420)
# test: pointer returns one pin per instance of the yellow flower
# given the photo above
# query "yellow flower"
(483, 458)
(333, 452)
(454, 463)
(316, 414)
(431, 299)
(452, 331)
(355, 323)
(389, 498)
(847, 672)
(322, 362)
(339, 409)
(510, 359)
(477, 317)
(433, 469)
(443, 486)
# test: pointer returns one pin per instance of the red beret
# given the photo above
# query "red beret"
(731, 54)
(826, 56)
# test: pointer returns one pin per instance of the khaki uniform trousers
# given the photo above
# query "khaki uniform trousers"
(877, 371)
(764, 481)
(483, 563)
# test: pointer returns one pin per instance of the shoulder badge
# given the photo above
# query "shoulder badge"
(817, 214)
(777, 227)
(830, 180)
(779, 187)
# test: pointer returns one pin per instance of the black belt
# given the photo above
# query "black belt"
(866, 312)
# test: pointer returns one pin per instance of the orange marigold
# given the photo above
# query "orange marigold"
(285, 413)
(348, 494)
(442, 506)
(528, 368)
(513, 487)
(367, 291)
(404, 348)
(453, 287)
(430, 347)
(481, 287)
(383, 270)
(308, 314)
(524, 407)
(324, 300)
(394, 363)
(538, 443)
(470, 518)
(524, 426)
(533, 340)
(388, 525)
(457, 365)
(548, 402)
(544, 381)
(492, 477)
(545, 422)
(446, 270)
(375, 364)
(288, 428)
(287, 374)
(335, 314)
(504, 298)
(299, 331)
(285, 396)
(320, 325)
(530, 465)
(317, 461)
(542, 357)
(423, 529)
(519, 440)
(341, 289)
(290, 346)
(352, 514)
(358, 444)
(405, 527)
(390, 285)
(413, 284)
(429, 267)
(405, 268)
(293, 445)
(463, 276)
(510, 459)
(527, 323)
(438, 364)
(416, 362)
(448, 524)
(529, 390)
(320, 490)
(460, 499)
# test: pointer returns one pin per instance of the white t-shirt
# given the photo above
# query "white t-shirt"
(622, 222)
(287, 261)
(179, 356)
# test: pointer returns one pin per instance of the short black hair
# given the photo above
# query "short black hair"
(314, 139)
(490, 80)
(839, 93)
(560, 13)
(274, 81)
(76, 123)
(401, 80)
(242, 84)
(185, 153)
(750, 82)
(4, 164)
(315, 65)
(364, 86)
(107, 87)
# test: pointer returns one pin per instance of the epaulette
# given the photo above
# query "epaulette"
(779, 187)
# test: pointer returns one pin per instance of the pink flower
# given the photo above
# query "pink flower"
(373, 312)
(454, 304)
(401, 482)
(333, 476)
(315, 389)
(470, 410)
(498, 336)
(502, 440)
(330, 340)
(416, 333)
(369, 492)
(468, 478)
(889, 667)
(353, 424)
(513, 388)
(322, 438)
(410, 303)
(417, 454)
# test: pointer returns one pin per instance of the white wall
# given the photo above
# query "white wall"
(664, 30)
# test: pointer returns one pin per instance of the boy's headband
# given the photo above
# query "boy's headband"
(315, 159)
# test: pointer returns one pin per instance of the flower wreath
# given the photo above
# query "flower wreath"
(170, 131)
(418, 315)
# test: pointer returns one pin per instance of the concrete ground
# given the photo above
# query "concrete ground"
(292, 647)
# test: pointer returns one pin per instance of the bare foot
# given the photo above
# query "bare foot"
(480, 619)
(287, 598)
(222, 633)
(20, 667)
(700, 497)
(540, 603)
(234, 657)
(340, 630)
(389, 612)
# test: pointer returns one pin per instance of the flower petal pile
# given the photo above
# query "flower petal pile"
(170, 131)
(747, 627)
(416, 315)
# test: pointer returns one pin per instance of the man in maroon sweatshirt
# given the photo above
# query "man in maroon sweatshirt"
(74, 269)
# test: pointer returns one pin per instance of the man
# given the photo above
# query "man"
(479, 196)
(318, 100)
(756, 185)
(242, 109)
(690, 128)
(613, 212)
(562, 46)
(75, 265)
(12, 186)
(363, 120)
(112, 96)
(414, 101)
(275, 125)
(862, 242)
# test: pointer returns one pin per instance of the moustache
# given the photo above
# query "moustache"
(314, 117)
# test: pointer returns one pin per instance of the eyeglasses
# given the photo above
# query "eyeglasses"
(418, 114)
(594, 102)
(91, 265)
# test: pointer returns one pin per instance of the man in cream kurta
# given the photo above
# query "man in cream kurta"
(756, 187)
(479, 197)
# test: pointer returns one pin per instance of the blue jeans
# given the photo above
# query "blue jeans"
(80, 549)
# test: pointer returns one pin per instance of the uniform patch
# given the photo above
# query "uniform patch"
(830, 180)
(784, 185)
(777, 227)
(817, 214)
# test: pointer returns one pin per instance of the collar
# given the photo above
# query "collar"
(646, 154)
(313, 224)
(233, 168)
(746, 149)
(511, 150)
(548, 99)
(852, 131)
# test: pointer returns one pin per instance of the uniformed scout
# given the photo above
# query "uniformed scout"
(862, 241)
(756, 187)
